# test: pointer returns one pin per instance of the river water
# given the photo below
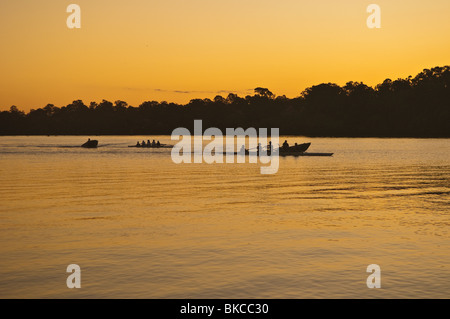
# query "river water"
(140, 226)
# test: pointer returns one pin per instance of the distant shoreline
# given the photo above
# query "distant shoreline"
(285, 135)
(416, 107)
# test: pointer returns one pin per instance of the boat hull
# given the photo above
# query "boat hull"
(305, 154)
(297, 148)
(280, 154)
(90, 144)
(161, 146)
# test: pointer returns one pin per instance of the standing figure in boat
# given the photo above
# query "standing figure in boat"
(259, 149)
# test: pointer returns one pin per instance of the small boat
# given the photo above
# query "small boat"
(299, 148)
(295, 150)
(304, 154)
(152, 146)
(90, 144)
(281, 153)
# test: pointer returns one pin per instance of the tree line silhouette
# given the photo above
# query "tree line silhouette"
(410, 107)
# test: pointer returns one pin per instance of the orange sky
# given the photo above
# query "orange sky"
(176, 50)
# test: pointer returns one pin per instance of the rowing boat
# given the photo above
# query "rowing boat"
(304, 154)
(152, 146)
(282, 153)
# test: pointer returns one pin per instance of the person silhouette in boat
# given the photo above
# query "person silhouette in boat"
(242, 151)
(270, 148)
(158, 144)
(143, 143)
(285, 145)
(137, 144)
(148, 143)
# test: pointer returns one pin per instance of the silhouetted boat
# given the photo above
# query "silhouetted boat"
(295, 150)
(90, 144)
(288, 153)
(304, 154)
(298, 148)
(282, 153)
(152, 146)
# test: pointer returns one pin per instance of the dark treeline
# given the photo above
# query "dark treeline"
(411, 107)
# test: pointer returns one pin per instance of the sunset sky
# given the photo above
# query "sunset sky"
(176, 50)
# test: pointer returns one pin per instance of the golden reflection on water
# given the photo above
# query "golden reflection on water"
(141, 226)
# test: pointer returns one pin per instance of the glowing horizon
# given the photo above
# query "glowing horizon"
(176, 50)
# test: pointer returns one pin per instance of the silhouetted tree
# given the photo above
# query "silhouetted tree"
(415, 106)
(264, 92)
(14, 110)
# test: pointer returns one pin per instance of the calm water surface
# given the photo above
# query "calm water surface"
(141, 226)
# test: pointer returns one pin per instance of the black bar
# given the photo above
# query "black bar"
(223, 308)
